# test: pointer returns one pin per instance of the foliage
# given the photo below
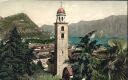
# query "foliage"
(43, 41)
(44, 76)
(15, 57)
(116, 61)
(24, 24)
(113, 66)
(84, 64)
(39, 63)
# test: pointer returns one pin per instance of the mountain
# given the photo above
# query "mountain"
(115, 25)
(47, 28)
(112, 25)
(24, 24)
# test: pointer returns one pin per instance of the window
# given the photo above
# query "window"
(62, 35)
(62, 51)
(62, 18)
(59, 18)
(62, 28)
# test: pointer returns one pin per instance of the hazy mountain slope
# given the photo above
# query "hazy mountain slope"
(47, 28)
(115, 25)
(24, 24)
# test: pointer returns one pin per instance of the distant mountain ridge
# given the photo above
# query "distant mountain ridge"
(24, 24)
(115, 25)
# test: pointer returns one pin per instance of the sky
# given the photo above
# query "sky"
(44, 12)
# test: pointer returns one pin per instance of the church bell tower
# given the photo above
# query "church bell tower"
(61, 50)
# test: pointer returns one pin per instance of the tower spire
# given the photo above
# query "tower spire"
(61, 3)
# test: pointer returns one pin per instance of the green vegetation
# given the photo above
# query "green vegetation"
(108, 64)
(15, 58)
(45, 76)
(25, 26)
(117, 61)
(39, 64)
(43, 41)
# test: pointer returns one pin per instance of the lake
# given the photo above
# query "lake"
(103, 40)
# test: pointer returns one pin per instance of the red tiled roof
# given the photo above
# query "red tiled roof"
(61, 10)
(68, 70)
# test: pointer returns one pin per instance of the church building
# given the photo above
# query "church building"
(57, 63)
(61, 45)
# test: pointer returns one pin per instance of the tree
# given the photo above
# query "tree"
(1, 47)
(84, 65)
(16, 58)
(117, 61)
(39, 64)
(110, 64)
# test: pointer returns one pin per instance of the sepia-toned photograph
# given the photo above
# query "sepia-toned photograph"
(63, 40)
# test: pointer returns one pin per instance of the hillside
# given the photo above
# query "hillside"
(1, 17)
(115, 25)
(24, 24)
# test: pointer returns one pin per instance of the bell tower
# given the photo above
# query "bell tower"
(61, 50)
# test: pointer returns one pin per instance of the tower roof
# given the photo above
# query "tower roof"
(61, 10)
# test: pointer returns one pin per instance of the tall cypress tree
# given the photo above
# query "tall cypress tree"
(16, 57)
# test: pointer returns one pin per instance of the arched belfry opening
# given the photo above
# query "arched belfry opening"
(62, 18)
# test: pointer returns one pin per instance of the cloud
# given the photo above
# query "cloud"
(3, 0)
(44, 12)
